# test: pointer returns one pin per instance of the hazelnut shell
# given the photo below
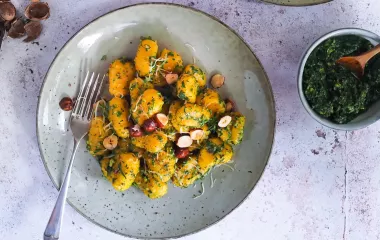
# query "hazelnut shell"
(17, 29)
(33, 29)
(37, 11)
(7, 11)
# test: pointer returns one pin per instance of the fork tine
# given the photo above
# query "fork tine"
(100, 86)
(85, 98)
(80, 96)
(89, 114)
(90, 101)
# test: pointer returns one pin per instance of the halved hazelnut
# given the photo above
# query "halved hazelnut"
(135, 131)
(181, 152)
(7, 11)
(66, 104)
(217, 80)
(161, 120)
(171, 78)
(184, 141)
(196, 134)
(224, 121)
(17, 29)
(150, 125)
(33, 30)
(230, 105)
(110, 142)
(37, 11)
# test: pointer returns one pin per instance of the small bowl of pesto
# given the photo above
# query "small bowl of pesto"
(332, 94)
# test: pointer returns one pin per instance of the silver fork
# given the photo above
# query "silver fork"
(79, 124)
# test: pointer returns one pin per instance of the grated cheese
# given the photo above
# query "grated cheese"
(203, 190)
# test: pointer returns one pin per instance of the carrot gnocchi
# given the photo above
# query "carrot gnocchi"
(162, 124)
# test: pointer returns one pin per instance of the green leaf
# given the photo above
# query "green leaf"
(104, 58)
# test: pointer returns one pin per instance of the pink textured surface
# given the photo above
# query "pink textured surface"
(319, 184)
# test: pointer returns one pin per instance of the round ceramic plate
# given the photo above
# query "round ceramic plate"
(297, 2)
(215, 47)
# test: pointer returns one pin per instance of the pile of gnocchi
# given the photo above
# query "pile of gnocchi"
(162, 124)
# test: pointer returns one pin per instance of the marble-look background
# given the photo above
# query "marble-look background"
(319, 183)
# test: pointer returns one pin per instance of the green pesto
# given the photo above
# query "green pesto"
(333, 91)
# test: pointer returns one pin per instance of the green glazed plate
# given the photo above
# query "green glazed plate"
(297, 2)
(216, 48)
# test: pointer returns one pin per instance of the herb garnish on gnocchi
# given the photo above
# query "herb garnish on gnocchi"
(163, 123)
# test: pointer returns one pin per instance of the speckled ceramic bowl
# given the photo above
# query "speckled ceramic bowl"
(297, 2)
(215, 48)
(363, 120)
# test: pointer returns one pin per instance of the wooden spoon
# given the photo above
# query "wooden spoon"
(358, 63)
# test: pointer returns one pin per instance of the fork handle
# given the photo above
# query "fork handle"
(54, 225)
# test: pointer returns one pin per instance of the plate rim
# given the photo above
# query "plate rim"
(272, 125)
(297, 5)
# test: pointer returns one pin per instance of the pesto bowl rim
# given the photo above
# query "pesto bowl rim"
(339, 32)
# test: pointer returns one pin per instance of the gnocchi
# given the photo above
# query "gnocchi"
(164, 124)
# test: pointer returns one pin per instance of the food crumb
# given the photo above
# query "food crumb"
(321, 134)
(315, 152)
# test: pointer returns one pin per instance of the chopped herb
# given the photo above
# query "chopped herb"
(212, 125)
(178, 68)
(170, 54)
(212, 147)
(123, 60)
(118, 113)
(104, 58)
(182, 95)
(145, 38)
(121, 171)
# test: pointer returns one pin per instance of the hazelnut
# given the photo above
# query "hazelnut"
(184, 141)
(171, 78)
(224, 121)
(196, 134)
(135, 131)
(230, 105)
(181, 152)
(217, 80)
(149, 125)
(161, 120)
(110, 142)
(66, 104)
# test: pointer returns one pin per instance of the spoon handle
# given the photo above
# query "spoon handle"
(364, 58)
(54, 225)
